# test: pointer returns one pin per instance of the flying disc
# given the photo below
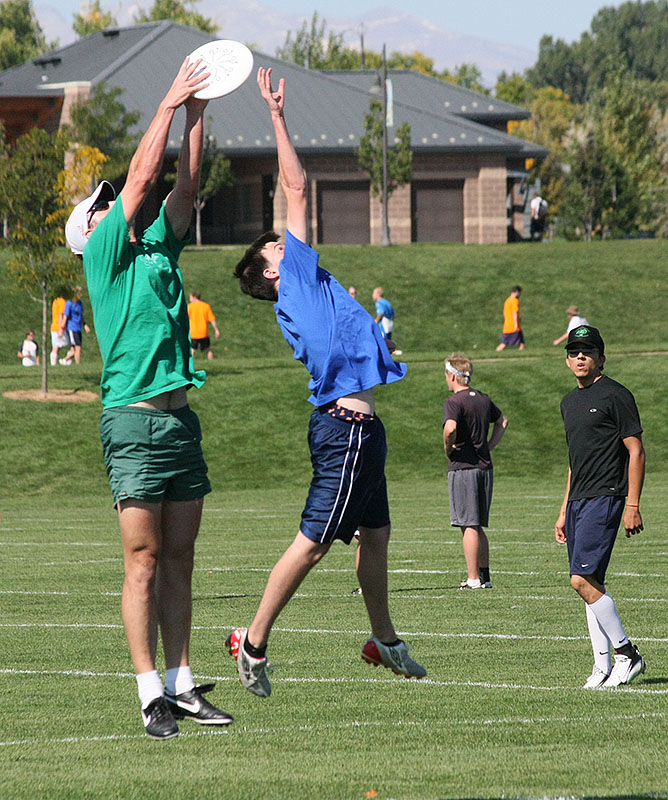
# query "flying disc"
(229, 63)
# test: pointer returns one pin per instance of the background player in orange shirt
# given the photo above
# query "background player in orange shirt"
(512, 335)
(200, 315)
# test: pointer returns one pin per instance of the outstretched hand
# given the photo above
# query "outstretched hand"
(189, 79)
(275, 100)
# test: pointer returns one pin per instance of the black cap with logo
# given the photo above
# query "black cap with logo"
(585, 338)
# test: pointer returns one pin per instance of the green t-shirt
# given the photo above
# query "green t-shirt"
(140, 308)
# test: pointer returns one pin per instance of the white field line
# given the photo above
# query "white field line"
(328, 632)
(321, 595)
(410, 685)
(245, 730)
(59, 544)
(80, 562)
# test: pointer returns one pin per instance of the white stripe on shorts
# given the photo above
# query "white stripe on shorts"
(354, 425)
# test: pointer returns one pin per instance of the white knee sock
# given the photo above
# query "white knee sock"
(178, 680)
(149, 686)
(600, 643)
(605, 611)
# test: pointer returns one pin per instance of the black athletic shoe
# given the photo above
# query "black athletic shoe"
(159, 720)
(192, 705)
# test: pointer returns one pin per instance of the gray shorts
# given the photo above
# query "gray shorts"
(470, 493)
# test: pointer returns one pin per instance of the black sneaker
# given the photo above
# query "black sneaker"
(192, 705)
(158, 720)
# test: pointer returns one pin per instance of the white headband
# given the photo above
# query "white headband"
(454, 371)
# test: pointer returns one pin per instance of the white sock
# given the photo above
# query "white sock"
(54, 359)
(179, 680)
(149, 686)
(474, 583)
(600, 643)
(605, 611)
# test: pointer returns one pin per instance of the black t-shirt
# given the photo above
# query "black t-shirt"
(597, 419)
(473, 411)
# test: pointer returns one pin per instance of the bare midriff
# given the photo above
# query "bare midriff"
(167, 401)
(359, 401)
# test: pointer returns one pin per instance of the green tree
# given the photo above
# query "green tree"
(514, 88)
(103, 122)
(416, 61)
(315, 48)
(466, 75)
(370, 153)
(617, 159)
(631, 37)
(4, 167)
(37, 213)
(216, 173)
(92, 19)
(181, 11)
(552, 114)
(21, 37)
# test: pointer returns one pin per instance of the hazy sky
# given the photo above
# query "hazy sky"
(520, 22)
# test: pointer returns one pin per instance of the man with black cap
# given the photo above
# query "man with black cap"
(607, 469)
(151, 439)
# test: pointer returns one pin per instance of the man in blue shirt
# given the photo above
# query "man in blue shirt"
(342, 348)
(73, 321)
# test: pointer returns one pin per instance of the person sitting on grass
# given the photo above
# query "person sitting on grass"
(339, 343)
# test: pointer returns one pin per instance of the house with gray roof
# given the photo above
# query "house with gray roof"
(466, 168)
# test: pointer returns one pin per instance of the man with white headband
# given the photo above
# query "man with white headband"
(467, 415)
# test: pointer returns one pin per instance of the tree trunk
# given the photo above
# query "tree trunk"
(198, 224)
(45, 333)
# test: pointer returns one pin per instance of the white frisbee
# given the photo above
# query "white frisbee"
(229, 63)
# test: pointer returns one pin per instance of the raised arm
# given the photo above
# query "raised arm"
(146, 163)
(291, 172)
(179, 203)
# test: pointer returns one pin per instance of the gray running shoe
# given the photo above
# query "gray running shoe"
(395, 658)
(252, 671)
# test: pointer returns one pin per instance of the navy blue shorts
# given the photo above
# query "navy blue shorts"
(348, 487)
(512, 339)
(75, 338)
(591, 529)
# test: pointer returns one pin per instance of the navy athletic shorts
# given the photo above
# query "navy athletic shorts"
(512, 339)
(348, 487)
(591, 529)
(75, 338)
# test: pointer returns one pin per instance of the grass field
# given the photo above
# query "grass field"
(501, 713)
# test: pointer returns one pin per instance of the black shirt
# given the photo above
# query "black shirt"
(597, 418)
(473, 411)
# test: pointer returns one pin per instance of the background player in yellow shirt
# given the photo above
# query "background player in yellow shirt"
(58, 338)
(200, 315)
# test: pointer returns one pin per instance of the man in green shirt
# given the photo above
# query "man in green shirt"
(151, 439)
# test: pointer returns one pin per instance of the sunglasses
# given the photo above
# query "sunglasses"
(99, 205)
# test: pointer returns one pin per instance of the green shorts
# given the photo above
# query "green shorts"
(153, 455)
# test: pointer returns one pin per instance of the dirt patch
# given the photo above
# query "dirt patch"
(53, 396)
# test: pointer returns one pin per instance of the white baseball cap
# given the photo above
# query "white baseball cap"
(77, 224)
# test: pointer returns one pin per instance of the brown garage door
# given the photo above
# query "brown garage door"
(437, 211)
(343, 212)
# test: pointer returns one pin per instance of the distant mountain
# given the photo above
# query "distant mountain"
(398, 30)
